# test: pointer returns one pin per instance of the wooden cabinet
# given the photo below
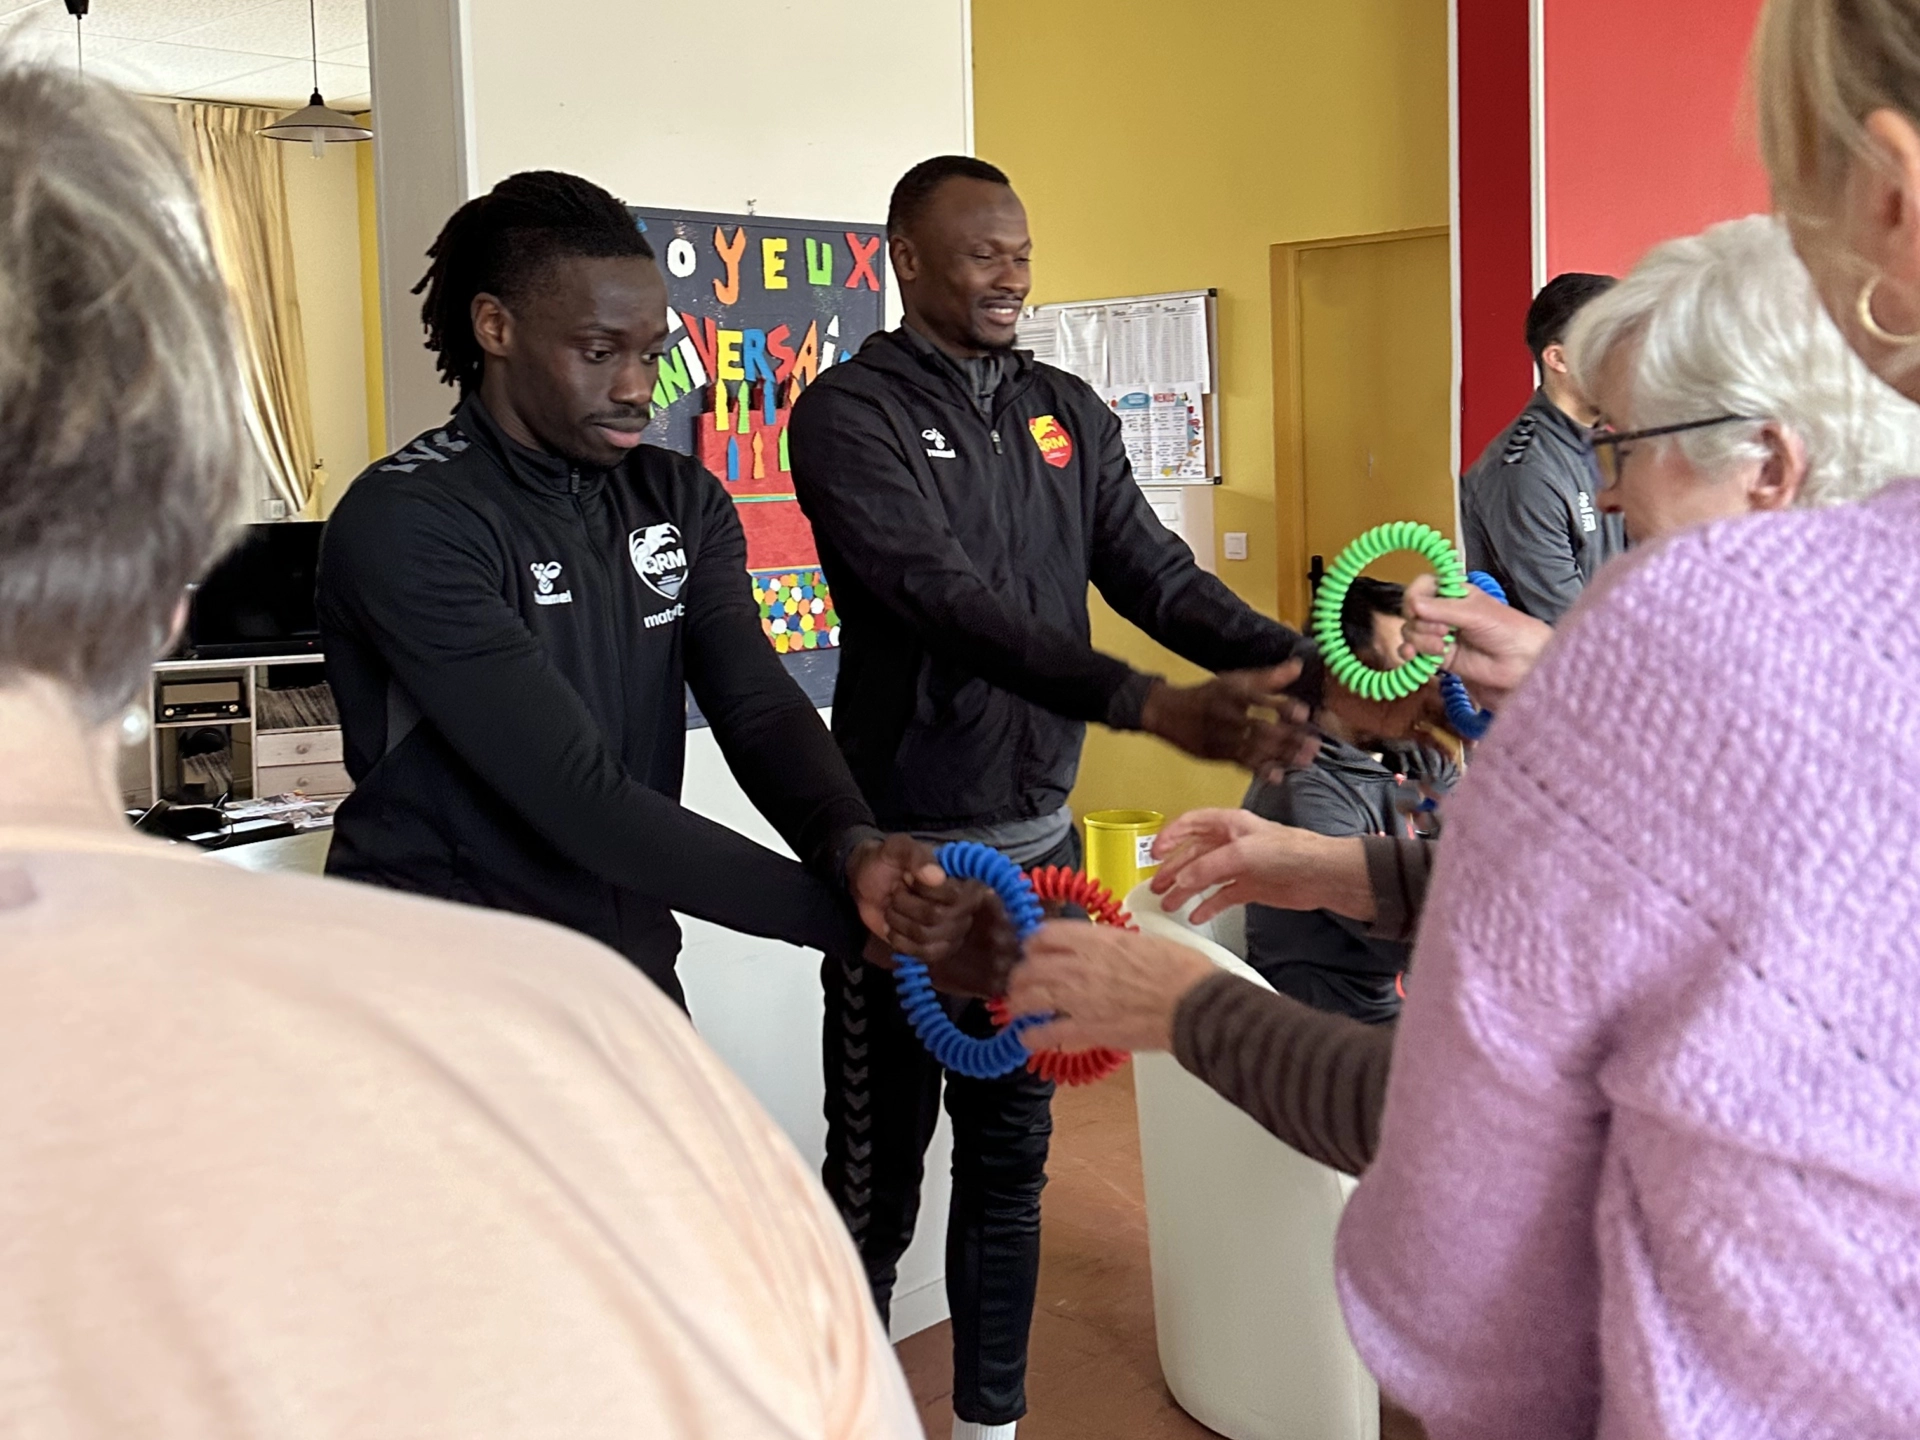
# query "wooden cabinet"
(268, 748)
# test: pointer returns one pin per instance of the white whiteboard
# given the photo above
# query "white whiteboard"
(1153, 359)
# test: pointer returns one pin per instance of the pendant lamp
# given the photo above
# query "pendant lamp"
(78, 9)
(315, 121)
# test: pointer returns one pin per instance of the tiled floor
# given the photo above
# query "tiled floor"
(1093, 1370)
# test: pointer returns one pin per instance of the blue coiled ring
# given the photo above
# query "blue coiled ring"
(962, 1053)
(1471, 724)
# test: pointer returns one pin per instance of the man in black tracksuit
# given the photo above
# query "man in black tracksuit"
(514, 604)
(963, 497)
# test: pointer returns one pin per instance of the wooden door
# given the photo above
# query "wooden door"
(1364, 414)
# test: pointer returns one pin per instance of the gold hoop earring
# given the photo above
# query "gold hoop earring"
(1872, 326)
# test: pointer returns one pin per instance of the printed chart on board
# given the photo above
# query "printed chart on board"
(759, 308)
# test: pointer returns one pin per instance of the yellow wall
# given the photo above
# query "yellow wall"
(374, 361)
(323, 213)
(1167, 147)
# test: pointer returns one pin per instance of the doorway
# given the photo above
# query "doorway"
(1363, 397)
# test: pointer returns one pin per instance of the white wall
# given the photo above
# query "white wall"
(323, 211)
(810, 111)
(421, 168)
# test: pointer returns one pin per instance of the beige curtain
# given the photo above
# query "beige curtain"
(243, 190)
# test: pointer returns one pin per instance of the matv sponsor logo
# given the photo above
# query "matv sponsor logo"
(1056, 445)
(659, 559)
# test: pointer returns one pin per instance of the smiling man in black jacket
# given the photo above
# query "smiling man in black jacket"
(963, 498)
(514, 605)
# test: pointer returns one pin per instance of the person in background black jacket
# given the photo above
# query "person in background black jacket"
(1528, 513)
(513, 605)
(963, 498)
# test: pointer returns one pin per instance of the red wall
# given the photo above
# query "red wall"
(1647, 135)
(1496, 217)
(1648, 130)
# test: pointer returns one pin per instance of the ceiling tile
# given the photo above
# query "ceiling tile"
(203, 48)
(287, 83)
(160, 68)
(55, 45)
(280, 27)
(144, 19)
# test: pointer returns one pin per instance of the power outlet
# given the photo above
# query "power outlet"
(1234, 544)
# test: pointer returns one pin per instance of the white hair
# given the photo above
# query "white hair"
(124, 448)
(1727, 322)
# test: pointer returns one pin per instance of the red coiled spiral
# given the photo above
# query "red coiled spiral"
(1057, 884)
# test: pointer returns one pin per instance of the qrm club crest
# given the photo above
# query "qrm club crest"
(659, 559)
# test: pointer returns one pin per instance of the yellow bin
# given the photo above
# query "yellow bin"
(1120, 847)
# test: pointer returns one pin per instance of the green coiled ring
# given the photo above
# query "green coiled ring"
(1346, 667)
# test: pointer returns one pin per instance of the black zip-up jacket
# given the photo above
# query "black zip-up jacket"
(509, 638)
(959, 546)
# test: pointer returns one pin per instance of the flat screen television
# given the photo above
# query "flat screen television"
(259, 600)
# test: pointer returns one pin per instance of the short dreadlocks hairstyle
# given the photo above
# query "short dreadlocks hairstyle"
(915, 188)
(502, 243)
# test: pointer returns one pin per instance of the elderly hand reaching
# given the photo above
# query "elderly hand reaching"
(1112, 988)
(1495, 646)
(1258, 861)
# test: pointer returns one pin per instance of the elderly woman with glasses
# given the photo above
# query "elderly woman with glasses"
(1724, 387)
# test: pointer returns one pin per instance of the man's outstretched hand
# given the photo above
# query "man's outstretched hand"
(958, 928)
(1239, 715)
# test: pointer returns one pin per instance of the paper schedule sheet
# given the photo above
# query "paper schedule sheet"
(1124, 342)
(1163, 427)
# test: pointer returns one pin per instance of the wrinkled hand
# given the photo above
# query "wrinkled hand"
(1221, 719)
(1496, 645)
(1111, 988)
(1258, 861)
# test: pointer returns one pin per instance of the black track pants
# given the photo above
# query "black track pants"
(883, 1098)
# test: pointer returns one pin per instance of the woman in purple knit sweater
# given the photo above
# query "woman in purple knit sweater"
(1650, 1165)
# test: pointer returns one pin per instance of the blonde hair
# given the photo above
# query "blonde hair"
(1820, 67)
(124, 449)
(1727, 322)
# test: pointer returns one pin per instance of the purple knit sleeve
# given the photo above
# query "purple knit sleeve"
(1466, 1259)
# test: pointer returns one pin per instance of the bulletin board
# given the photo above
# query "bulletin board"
(1155, 360)
(758, 309)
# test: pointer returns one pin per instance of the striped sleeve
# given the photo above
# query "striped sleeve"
(1317, 1081)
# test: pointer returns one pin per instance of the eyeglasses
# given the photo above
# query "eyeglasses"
(1607, 443)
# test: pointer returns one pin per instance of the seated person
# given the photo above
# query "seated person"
(1371, 787)
(290, 1157)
